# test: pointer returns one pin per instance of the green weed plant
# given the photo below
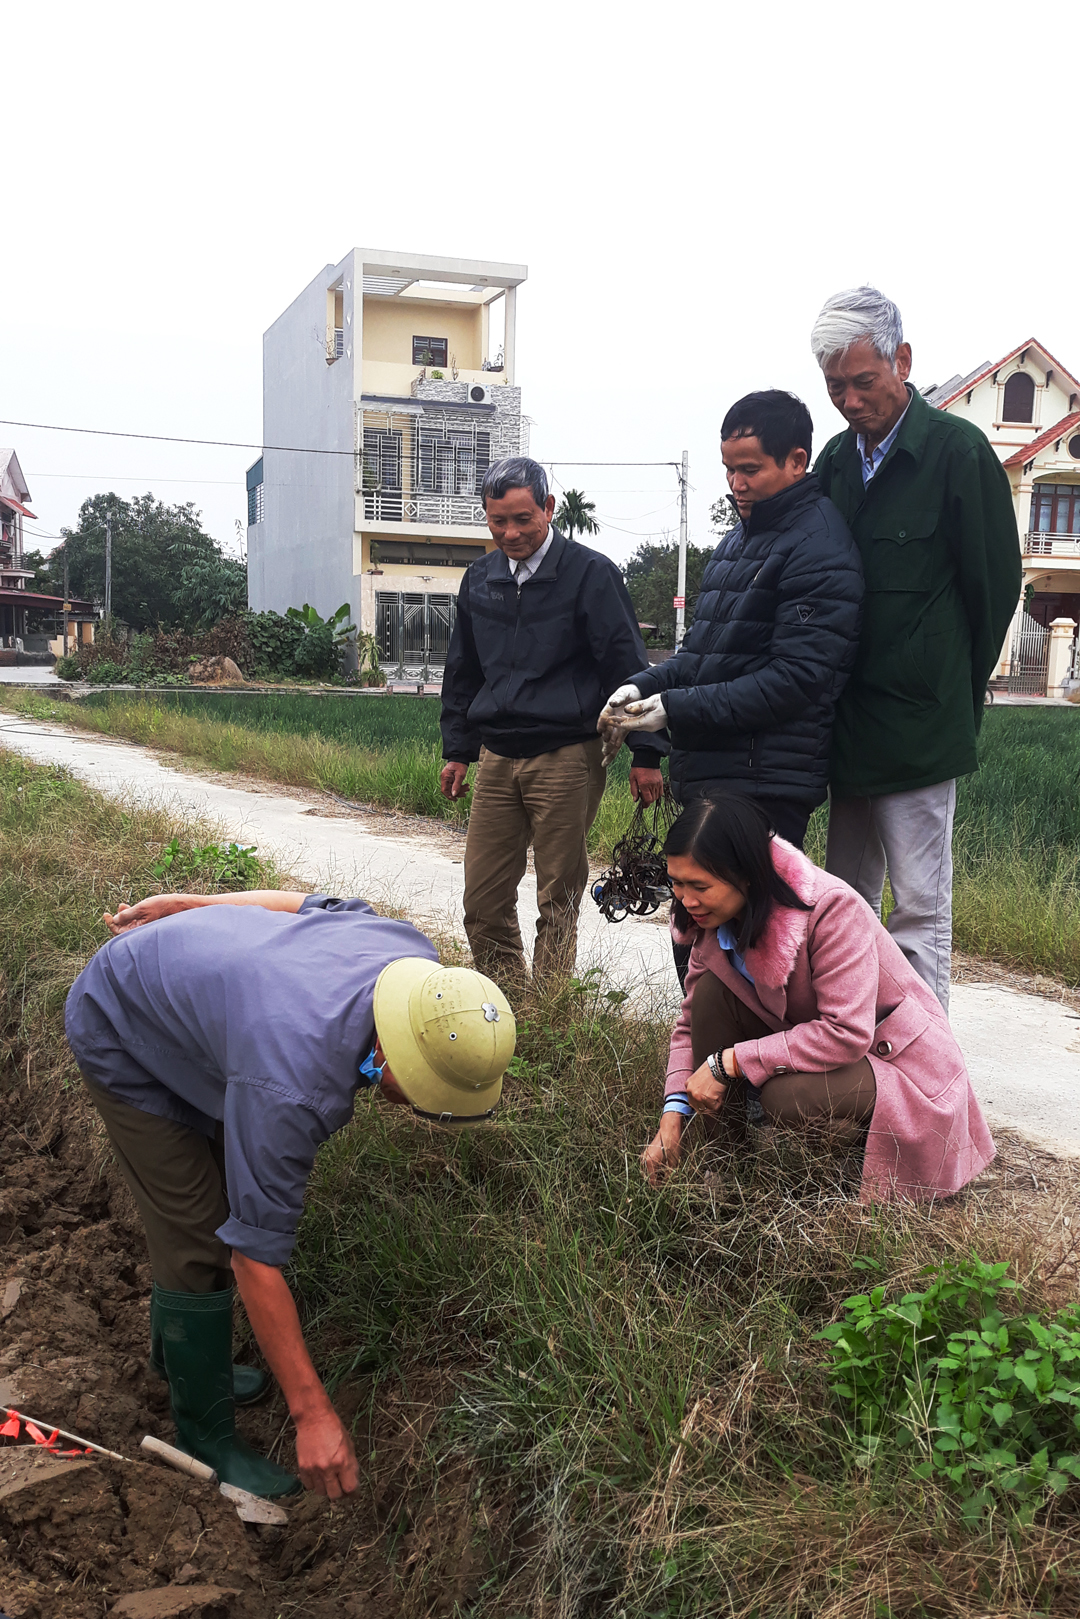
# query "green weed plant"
(985, 1401)
(225, 865)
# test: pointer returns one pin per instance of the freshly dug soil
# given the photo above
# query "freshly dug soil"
(79, 1538)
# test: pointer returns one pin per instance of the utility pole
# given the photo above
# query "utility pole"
(67, 602)
(108, 572)
(680, 589)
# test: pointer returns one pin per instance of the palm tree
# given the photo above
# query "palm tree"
(576, 513)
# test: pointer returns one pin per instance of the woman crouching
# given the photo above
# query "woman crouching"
(801, 1011)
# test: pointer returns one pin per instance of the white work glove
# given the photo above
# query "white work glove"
(617, 700)
(647, 714)
(638, 714)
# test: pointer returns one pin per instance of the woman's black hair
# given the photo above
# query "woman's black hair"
(730, 836)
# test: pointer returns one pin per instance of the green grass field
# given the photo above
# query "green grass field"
(1016, 849)
(608, 1402)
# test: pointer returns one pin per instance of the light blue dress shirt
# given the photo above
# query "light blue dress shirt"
(870, 463)
(725, 938)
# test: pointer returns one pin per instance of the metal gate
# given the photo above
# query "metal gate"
(1030, 658)
(414, 633)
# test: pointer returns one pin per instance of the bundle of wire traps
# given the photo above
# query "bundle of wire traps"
(636, 883)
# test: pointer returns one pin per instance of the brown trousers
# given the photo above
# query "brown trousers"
(842, 1097)
(177, 1178)
(549, 802)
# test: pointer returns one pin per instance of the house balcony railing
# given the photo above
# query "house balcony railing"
(395, 506)
(422, 469)
(1052, 545)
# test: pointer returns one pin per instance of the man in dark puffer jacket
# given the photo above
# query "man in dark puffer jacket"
(750, 698)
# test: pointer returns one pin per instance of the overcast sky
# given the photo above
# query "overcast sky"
(685, 183)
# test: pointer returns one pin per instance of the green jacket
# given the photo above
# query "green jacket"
(940, 551)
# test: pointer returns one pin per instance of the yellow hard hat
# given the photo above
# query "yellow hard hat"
(448, 1034)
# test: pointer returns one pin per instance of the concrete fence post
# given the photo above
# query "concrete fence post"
(1062, 631)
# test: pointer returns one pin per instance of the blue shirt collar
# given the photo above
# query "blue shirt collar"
(870, 463)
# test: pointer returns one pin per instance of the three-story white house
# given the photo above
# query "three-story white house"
(388, 390)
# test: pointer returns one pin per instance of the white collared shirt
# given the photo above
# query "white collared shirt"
(871, 462)
(523, 569)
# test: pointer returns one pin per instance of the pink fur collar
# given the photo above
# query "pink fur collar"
(773, 958)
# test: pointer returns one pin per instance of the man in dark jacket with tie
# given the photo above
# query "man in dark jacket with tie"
(544, 627)
(750, 697)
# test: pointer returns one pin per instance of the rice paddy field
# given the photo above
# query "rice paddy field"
(1017, 843)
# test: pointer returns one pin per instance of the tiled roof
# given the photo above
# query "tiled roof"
(955, 386)
(1021, 457)
(961, 385)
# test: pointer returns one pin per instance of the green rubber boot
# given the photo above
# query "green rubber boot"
(249, 1384)
(196, 1342)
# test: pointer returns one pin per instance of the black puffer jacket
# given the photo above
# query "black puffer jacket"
(751, 695)
(530, 666)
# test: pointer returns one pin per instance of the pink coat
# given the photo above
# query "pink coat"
(836, 987)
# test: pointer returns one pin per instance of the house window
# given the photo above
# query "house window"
(1074, 447)
(1019, 402)
(451, 462)
(255, 492)
(335, 325)
(381, 475)
(429, 351)
(437, 554)
(1055, 508)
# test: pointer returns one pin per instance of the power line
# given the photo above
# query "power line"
(123, 477)
(169, 438)
(287, 449)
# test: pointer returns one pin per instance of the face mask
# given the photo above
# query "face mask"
(371, 1072)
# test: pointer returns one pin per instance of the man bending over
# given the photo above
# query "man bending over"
(222, 1039)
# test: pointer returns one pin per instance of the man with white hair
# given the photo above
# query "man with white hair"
(930, 508)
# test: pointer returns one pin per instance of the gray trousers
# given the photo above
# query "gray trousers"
(909, 835)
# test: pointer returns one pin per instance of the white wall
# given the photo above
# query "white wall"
(302, 550)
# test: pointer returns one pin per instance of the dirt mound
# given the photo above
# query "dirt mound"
(216, 671)
(79, 1537)
(77, 1532)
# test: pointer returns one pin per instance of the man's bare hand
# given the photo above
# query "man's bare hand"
(646, 785)
(325, 1458)
(452, 783)
(147, 910)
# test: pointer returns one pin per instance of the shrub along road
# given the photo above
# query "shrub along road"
(1022, 1048)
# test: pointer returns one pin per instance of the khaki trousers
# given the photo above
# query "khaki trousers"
(846, 1095)
(549, 802)
(177, 1178)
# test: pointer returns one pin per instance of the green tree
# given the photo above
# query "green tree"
(652, 575)
(42, 579)
(722, 516)
(324, 639)
(210, 589)
(153, 546)
(576, 514)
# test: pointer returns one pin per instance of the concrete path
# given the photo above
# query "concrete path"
(28, 676)
(1023, 1050)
